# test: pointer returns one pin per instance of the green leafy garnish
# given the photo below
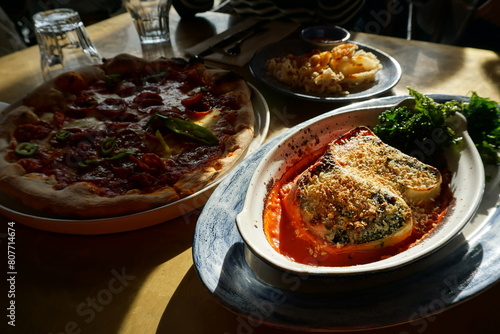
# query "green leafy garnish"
(426, 126)
(408, 128)
(483, 125)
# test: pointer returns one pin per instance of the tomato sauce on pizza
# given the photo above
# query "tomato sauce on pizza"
(124, 136)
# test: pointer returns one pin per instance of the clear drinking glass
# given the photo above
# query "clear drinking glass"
(150, 18)
(63, 42)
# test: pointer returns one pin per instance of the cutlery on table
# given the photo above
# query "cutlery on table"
(236, 48)
(228, 40)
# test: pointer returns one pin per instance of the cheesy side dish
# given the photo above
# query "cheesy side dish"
(359, 196)
(331, 72)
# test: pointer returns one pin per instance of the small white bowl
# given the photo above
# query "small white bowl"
(467, 186)
(325, 37)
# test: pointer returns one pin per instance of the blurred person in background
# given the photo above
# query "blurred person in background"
(359, 15)
(10, 40)
(472, 23)
(484, 29)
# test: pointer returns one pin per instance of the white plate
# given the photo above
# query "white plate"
(465, 267)
(27, 216)
(385, 79)
(467, 185)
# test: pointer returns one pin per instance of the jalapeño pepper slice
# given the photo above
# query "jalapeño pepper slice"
(26, 149)
(187, 129)
(121, 154)
(63, 136)
(191, 130)
(87, 163)
(108, 146)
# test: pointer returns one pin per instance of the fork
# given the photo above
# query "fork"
(236, 48)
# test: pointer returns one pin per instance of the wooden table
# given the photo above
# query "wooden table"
(144, 281)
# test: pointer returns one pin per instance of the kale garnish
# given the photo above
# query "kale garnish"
(428, 122)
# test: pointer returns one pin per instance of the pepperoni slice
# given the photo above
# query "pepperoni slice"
(112, 107)
(27, 132)
(228, 101)
(127, 117)
(129, 138)
(82, 106)
(30, 165)
(125, 89)
(148, 99)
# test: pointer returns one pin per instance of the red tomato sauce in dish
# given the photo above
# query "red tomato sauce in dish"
(290, 237)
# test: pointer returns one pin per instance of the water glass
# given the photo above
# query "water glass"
(63, 42)
(150, 18)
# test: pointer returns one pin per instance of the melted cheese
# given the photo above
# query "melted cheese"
(210, 120)
(360, 192)
(344, 209)
(84, 123)
(365, 154)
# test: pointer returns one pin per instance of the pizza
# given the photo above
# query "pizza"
(124, 136)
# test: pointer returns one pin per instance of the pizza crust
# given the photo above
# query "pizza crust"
(50, 95)
(80, 199)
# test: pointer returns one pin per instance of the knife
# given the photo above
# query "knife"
(230, 39)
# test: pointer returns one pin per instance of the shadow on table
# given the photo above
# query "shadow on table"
(408, 296)
(491, 70)
(192, 309)
(288, 111)
(204, 30)
(88, 283)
